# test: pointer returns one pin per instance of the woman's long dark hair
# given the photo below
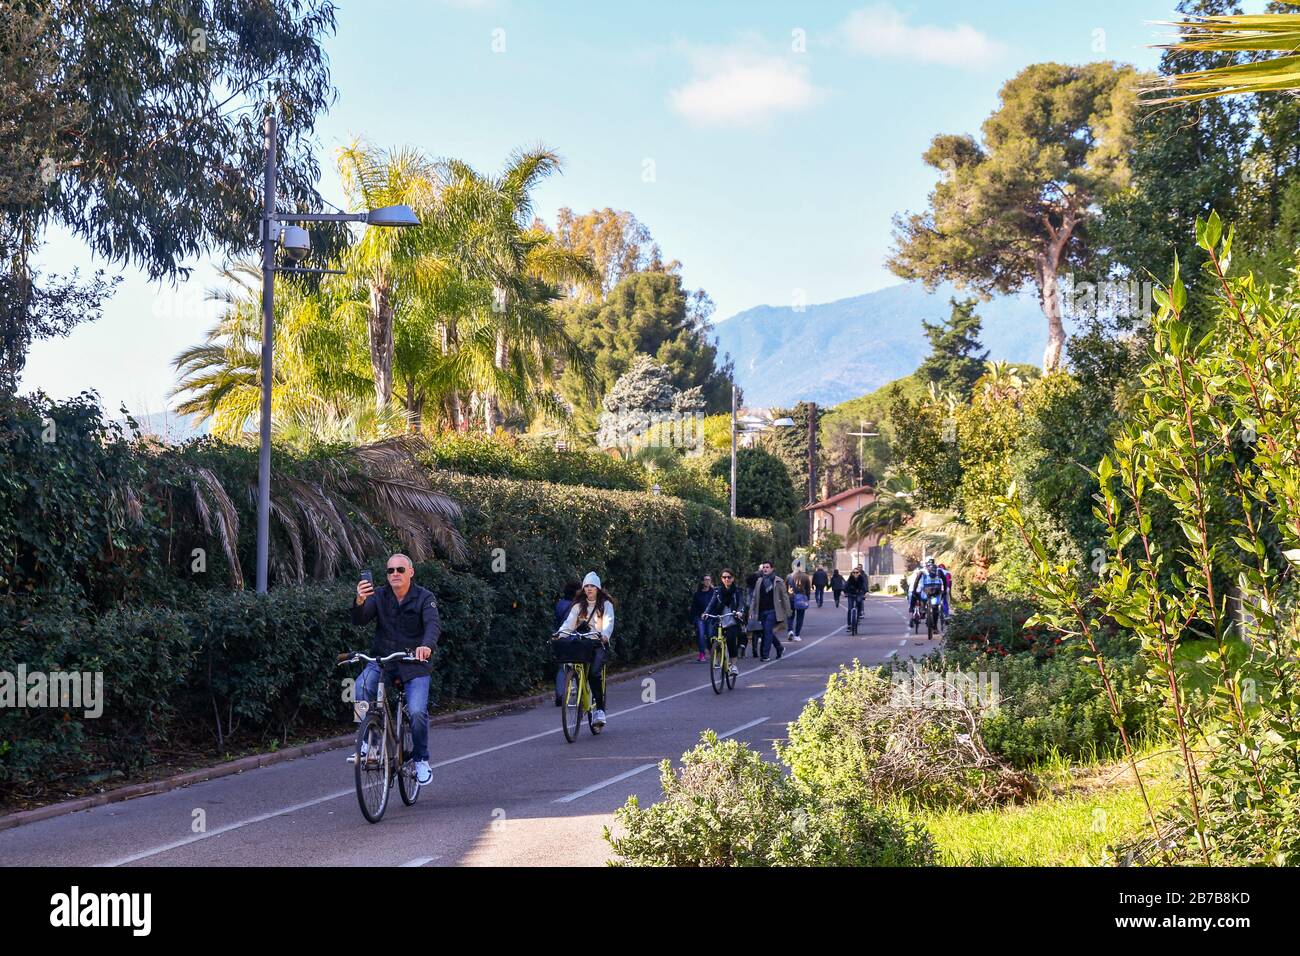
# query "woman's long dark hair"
(580, 601)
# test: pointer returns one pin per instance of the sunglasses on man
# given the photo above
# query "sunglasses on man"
(397, 570)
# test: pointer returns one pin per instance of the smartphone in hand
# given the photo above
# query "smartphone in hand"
(367, 577)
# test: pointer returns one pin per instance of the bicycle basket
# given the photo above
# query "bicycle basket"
(578, 651)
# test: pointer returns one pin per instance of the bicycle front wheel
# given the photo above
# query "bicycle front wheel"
(407, 785)
(372, 768)
(717, 661)
(571, 711)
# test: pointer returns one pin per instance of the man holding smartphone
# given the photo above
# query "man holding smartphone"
(406, 617)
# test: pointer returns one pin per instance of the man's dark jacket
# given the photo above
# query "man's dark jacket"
(403, 626)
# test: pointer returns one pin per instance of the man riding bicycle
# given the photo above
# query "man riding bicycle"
(406, 616)
(929, 576)
(855, 592)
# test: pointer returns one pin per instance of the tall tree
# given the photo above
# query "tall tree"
(955, 362)
(615, 240)
(648, 313)
(139, 124)
(1016, 208)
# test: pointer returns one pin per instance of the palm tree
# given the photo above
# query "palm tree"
(891, 509)
(527, 269)
(1001, 381)
(948, 539)
(1236, 33)
(387, 267)
(318, 361)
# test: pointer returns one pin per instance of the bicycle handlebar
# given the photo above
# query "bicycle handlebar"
(589, 636)
(351, 657)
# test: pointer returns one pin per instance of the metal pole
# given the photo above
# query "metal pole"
(268, 330)
(733, 451)
(812, 468)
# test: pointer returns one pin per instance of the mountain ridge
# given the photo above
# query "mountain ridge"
(862, 342)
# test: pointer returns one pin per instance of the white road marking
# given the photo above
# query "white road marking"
(122, 861)
(420, 861)
(262, 817)
(605, 783)
(735, 730)
(819, 696)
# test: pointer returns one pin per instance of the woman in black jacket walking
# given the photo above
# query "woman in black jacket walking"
(837, 585)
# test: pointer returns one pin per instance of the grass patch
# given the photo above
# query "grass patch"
(1095, 808)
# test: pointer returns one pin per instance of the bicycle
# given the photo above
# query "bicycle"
(722, 673)
(577, 656)
(934, 620)
(377, 743)
(855, 613)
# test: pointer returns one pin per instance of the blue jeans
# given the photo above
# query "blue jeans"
(703, 632)
(417, 704)
(769, 634)
(856, 602)
(798, 621)
(821, 596)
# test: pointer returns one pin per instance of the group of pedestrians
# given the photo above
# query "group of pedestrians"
(758, 612)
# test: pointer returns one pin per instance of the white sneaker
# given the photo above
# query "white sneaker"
(598, 718)
(423, 772)
(365, 748)
(734, 672)
(796, 638)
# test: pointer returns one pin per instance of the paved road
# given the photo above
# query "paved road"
(507, 790)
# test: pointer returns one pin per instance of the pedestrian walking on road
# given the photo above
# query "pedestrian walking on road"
(699, 602)
(753, 626)
(562, 605)
(770, 601)
(837, 586)
(800, 584)
(820, 580)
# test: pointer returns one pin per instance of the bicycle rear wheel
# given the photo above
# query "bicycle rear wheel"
(728, 674)
(373, 770)
(571, 711)
(407, 785)
(716, 663)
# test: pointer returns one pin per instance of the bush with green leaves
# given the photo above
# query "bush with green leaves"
(1212, 447)
(728, 807)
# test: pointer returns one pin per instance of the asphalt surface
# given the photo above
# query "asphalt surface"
(507, 790)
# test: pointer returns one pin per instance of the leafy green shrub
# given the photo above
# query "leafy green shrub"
(996, 625)
(143, 655)
(727, 806)
(527, 538)
(506, 457)
(865, 743)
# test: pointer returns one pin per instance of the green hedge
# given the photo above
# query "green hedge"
(241, 668)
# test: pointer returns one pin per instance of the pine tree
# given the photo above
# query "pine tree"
(955, 361)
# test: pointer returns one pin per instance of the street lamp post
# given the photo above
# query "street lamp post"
(297, 246)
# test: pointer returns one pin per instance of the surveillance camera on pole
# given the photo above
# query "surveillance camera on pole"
(296, 243)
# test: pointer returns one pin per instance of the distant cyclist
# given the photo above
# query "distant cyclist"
(928, 576)
(855, 593)
(592, 615)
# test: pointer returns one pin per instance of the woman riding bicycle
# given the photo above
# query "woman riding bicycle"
(729, 600)
(592, 616)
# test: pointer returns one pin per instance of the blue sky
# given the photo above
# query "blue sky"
(765, 144)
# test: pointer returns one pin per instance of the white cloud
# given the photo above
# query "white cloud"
(881, 30)
(736, 87)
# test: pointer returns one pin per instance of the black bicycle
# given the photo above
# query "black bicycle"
(855, 613)
(379, 759)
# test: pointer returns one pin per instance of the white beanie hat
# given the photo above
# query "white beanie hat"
(591, 578)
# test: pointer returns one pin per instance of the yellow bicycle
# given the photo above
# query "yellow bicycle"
(577, 656)
(722, 673)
